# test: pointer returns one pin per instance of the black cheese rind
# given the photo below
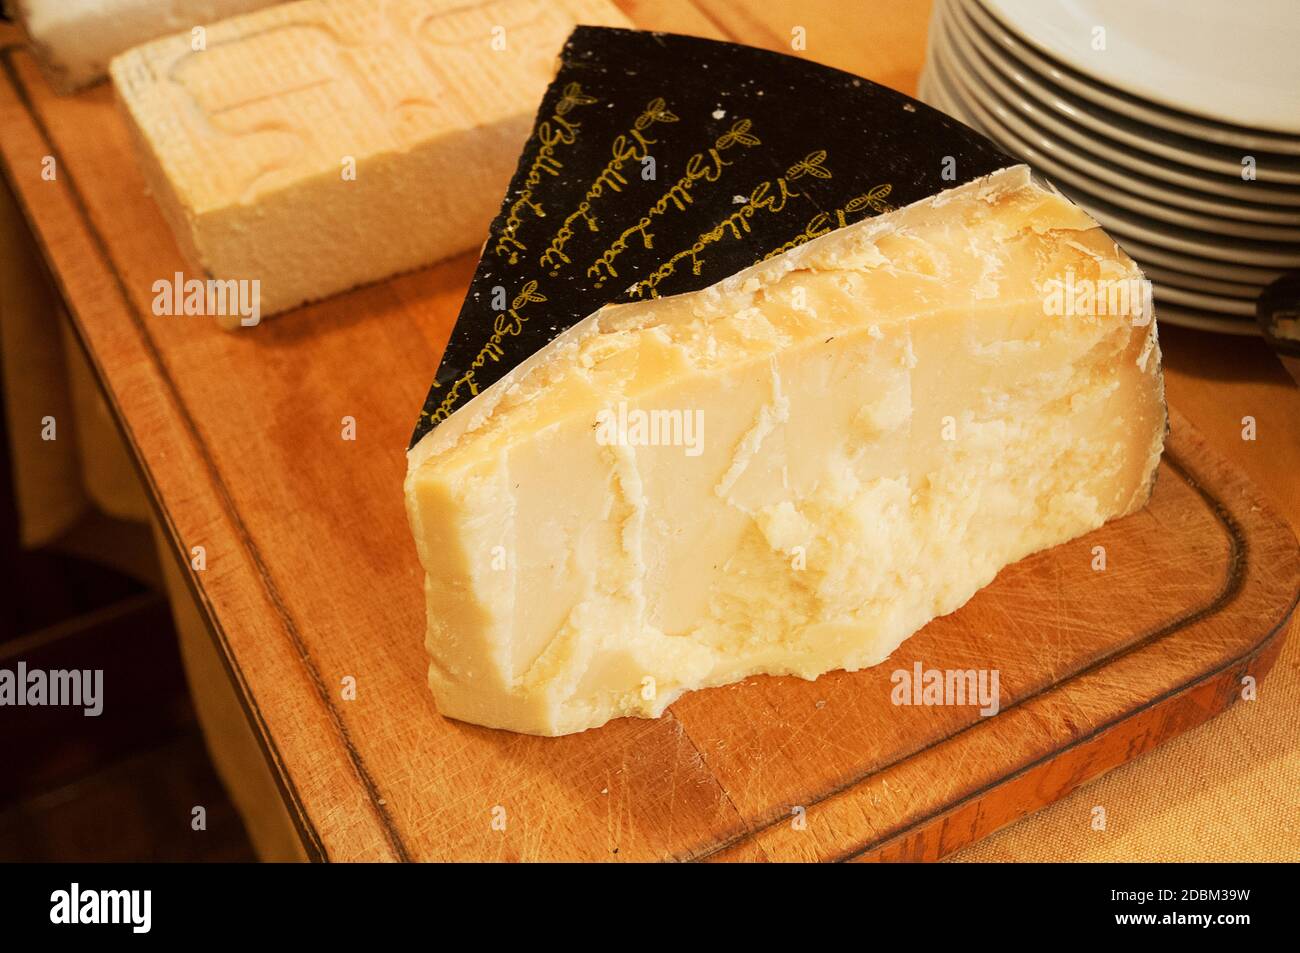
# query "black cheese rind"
(661, 164)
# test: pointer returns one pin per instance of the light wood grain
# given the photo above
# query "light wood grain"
(311, 577)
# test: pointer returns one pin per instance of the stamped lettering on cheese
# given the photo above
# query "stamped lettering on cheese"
(661, 164)
(321, 145)
(383, 79)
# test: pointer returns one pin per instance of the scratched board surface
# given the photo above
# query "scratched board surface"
(312, 578)
(661, 164)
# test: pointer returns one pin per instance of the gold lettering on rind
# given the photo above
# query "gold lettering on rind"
(701, 167)
(767, 196)
(508, 323)
(823, 223)
(632, 146)
(552, 133)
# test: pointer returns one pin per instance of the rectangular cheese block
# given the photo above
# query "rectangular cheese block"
(75, 39)
(320, 145)
(789, 472)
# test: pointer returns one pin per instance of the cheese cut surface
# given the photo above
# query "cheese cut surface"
(320, 145)
(852, 438)
(75, 39)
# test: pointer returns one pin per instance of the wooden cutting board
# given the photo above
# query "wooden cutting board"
(311, 579)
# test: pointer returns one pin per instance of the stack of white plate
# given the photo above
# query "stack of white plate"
(1176, 125)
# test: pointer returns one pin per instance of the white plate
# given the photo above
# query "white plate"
(1202, 321)
(939, 98)
(1199, 300)
(1230, 61)
(1244, 251)
(1163, 257)
(1196, 165)
(1233, 136)
(1141, 195)
(1181, 279)
(1263, 255)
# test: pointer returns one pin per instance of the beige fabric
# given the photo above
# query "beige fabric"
(47, 487)
(231, 743)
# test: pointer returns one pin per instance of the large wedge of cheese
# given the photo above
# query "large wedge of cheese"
(320, 145)
(852, 438)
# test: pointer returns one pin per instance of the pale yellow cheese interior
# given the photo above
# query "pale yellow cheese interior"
(319, 145)
(889, 418)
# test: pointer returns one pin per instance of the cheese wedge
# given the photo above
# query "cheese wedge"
(790, 471)
(75, 39)
(320, 145)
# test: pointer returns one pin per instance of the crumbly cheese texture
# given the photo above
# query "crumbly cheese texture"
(889, 417)
(320, 145)
(75, 39)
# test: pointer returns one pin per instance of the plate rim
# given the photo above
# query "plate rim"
(1136, 83)
(1237, 137)
(1100, 168)
(1227, 252)
(1036, 88)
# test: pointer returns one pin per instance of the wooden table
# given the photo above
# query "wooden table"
(220, 461)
